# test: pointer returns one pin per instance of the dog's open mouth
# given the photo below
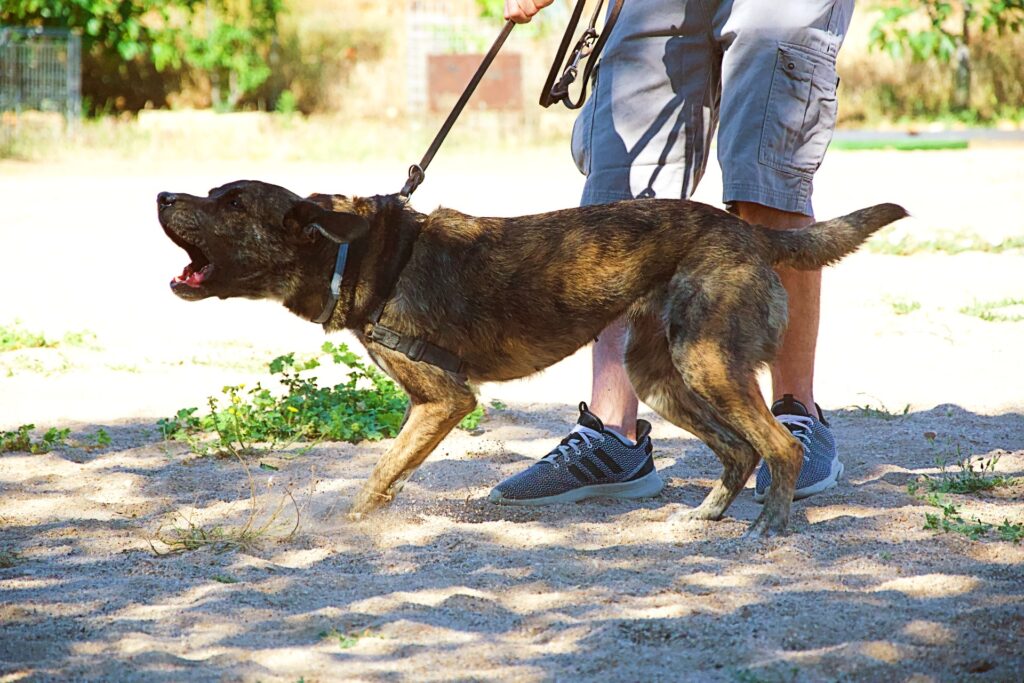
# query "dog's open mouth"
(194, 275)
(197, 272)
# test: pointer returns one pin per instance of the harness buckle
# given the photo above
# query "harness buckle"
(385, 337)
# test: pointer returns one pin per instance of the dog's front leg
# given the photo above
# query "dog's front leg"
(438, 400)
(425, 427)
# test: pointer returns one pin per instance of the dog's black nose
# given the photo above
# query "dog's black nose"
(165, 199)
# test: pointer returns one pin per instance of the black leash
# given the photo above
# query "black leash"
(588, 47)
(418, 171)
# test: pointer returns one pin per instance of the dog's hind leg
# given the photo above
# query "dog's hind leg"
(657, 383)
(718, 358)
(437, 403)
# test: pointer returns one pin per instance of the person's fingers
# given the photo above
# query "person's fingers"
(521, 11)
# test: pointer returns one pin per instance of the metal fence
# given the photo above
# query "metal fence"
(40, 70)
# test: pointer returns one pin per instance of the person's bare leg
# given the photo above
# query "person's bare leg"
(612, 397)
(793, 369)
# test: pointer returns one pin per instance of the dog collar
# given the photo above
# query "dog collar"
(339, 273)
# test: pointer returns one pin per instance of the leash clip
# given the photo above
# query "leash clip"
(416, 176)
(583, 49)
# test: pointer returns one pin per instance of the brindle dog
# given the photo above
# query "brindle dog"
(511, 296)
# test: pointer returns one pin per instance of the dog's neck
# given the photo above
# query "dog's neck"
(373, 266)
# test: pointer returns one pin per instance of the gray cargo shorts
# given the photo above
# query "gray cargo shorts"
(763, 73)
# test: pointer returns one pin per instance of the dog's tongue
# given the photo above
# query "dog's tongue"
(194, 278)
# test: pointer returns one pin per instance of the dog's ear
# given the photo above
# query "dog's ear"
(308, 221)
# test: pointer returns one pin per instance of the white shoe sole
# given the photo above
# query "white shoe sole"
(645, 487)
(824, 485)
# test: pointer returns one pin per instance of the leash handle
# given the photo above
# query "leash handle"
(417, 172)
(588, 47)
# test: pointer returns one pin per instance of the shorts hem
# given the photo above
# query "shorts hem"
(783, 201)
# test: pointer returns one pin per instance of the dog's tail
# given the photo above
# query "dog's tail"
(826, 242)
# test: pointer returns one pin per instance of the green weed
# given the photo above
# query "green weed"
(968, 480)
(947, 244)
(901, 307)
(95, 441)
(367, 405)
(989, 310)
(224, 578)
(971, 476)
(21, 440)
(14, 337)
(348, 639)
(882, 412)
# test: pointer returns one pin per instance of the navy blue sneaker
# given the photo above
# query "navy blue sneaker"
(821, 468)
(592, 461)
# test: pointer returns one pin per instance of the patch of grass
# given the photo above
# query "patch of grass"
(971, 476)
(903, 307)
(901, 144)
(947, 244)
(989, 310)
(14, 337)
(224, 578)
(21, 440)
(95, 441)
(967, 480)
(347, 639)
(367, 405)
(260, 525)
(881, 412)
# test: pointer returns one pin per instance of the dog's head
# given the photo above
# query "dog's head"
(251, 239)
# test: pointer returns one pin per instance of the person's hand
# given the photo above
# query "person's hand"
(521, 11)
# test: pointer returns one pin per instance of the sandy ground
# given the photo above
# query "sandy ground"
(443, 586)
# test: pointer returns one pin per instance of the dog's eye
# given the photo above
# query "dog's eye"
(235, 203)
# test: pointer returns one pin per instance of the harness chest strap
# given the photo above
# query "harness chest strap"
(413, 348)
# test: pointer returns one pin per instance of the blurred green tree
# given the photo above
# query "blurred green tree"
(942, 30)
(229, 41)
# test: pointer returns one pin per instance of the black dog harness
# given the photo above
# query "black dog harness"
(413, 348)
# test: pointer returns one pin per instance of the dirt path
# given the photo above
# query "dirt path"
(442, 585)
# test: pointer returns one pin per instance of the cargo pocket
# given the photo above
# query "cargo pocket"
(801, 113)
(582, 140)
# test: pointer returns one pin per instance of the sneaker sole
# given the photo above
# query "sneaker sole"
(824, 485)
(645, 487)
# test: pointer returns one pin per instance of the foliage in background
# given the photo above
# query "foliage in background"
(366, 406)
(14, 337)
(152, 43)
(943, 31)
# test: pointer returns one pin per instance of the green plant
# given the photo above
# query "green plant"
(229, 41)
(287, 103)
(942, 30)
(946, 244)
(367, 405)
(989, 310)
(951, 521)
(882, 412)
(99, 439)
(347, 639)
(971, 477)
(901, 307)
(21, 439)
(14, 337)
